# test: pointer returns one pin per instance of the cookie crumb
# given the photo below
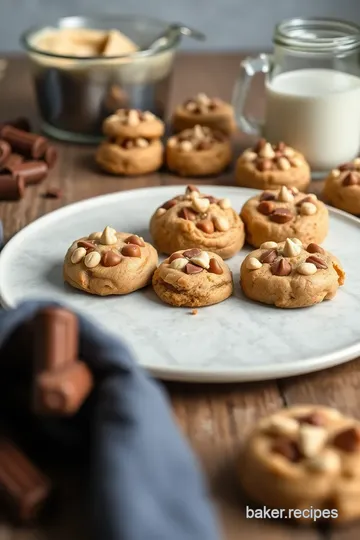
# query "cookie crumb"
(52, 193)
(194, 312)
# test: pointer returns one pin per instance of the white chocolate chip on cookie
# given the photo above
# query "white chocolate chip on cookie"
(312, 440)
(249, 155)
(283, 164)
(186, 146)
(291, 249)
(308, 209)
(253, 264)
(297, 241)
(95, 235)
(179, 264)
(78, 255)
(285, 195)
(92, 259)
(267, 151)
(221, 223)
(108, 236)
(160, 212)
(335, 173)
(269, 245)
(202, 260)
(224, 203)
(201, 205)
(327, 461)
(307, 269)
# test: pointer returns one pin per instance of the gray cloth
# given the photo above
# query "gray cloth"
(145, 483)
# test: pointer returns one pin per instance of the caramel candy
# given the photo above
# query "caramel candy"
(110, 258)
(131, 250)
(193, 269)
(281, 215)
(319, 263)
(266, 208)
(214, 267)
(24, 142)
(5, 151)
(206, 226)
(314, 248)
(136, 240)
(11, 188)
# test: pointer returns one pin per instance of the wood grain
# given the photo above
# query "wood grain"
(215, 419)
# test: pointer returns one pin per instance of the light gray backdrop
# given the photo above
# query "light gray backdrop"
(229, 24)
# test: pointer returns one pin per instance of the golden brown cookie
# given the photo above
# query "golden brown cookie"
(283, 213)
(267, 166)
(130, 156)
(205, 111)
(197, 220)
(110, 262)
(342, 187)
(198, 152)
(305, 457)
(289, 275)
(193, 278)
(132, 123)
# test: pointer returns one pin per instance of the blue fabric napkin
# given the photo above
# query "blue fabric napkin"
(145, 483)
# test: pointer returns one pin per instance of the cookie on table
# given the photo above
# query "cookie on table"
(130, 157)
(342, 187)
(304, 457)
(110, 262)
(280, 214)
(198, 151)
(267, 166)
(290, 275)
(132, 124)
(197, 220)
(211, 112)
(193, 278)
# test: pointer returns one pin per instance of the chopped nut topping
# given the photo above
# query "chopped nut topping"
(267, 157)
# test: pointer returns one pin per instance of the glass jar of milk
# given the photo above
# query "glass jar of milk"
(312, 89)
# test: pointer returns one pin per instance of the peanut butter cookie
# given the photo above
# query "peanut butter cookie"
(132, 124)
(193, 278)
(283, 213)
(342, 187)
(198, 152)
(211, 112)
(267, 166)
(130, 157)
(289, 275)
(110, 262)
(197, 220)
(305, 457)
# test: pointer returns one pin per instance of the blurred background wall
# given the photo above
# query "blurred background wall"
(229, 24)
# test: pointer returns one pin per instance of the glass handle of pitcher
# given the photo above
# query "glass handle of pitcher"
(248, 68)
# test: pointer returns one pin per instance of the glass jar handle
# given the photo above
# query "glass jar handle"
(248, 68)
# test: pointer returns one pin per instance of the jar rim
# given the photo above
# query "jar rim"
(301, 34)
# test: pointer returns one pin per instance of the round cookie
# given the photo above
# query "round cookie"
(110, 263)
(197, 220)
(280, 214)
(199, 151)
(193, 278)
(211, 112)
(288, 275)
(130, 157)
(304, 457)
(267, 166)
(342, 187)
(132, 123)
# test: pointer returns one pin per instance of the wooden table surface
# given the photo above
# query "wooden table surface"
(214, 418)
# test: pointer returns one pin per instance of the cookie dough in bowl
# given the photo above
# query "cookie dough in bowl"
(110, 262)
(283, 213)
(342, 187)
(197, 220)
(193, 278)
(304, 457)
(290, 275)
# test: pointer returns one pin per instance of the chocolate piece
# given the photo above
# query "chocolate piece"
(110, 258)
(22, 485)
(266, 208)
(204, 145)
(193, 269)
(18, 123)
(281, 267)
(264, 165)
(53, 193)
(23, 142)
(51, 155)
(131, 250)
(315, 419)
(175, 256)
(281, 215)
(11, 188)
(134, 239)
(267, 196)
(319, 263)
(5, 151)
(268, 256)
(351, 179)
(189, 253)
(206, 226)
(64, 391)
(169, 204)
(288, 449)
(212, 199)
(214, 267)
(89, 246)
(190, 188)
(32, 172)
(314, 248)
(348, 439)
(186, 213)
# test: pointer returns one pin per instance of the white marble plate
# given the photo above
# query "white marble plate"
(237, 340)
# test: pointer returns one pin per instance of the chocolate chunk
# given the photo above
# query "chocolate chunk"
(193, 269)
(204, 145)
(214, 267)
(89, 246)
(315, 419)
(266, 208)
(281, 215)
(314, 248)
(319, 263)
(32, 172)
(281, 267)
(110, 258)
(349, 166)
(186, 213)
(169, 204)
(190, 188)
(206, 226)
(131, 250)
(51, 156)
(175, 256)
(136, 240)
(348, 440)
(259, 145)
(52, 193)
(288, 449)
(24, 142)
(189, 253)
(267, 196)
(268, 256)
(5, 151)
(351, 179)
(264, 165)
(11, 188)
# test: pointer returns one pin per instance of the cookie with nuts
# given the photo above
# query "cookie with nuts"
(206, 111)
(198, 151)
(110, 262)
(268, 166)
(130, 157)
(291, 275)
(282, 213)
(193, 278)
(197, 220)
(306, 456)
(133, 124)
(342, 187)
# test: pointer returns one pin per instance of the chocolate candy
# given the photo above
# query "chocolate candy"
(315, 248)
(214, 267)
(136, 240)
(11, 189)
(268, 256)
(189, 253)
(169, 204)
(206, 226)
(23, 487)
(319, 263)
(110, 258)
(348, 440)
(193, 269)
(89, 246)
(25, 143)
(267, 196)
(266, 207)
(50, 156)
(281, 215)
(32, 172)
(62, 392)
(5, 151)
(281, 267)
(131, 250)
(188, 214)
